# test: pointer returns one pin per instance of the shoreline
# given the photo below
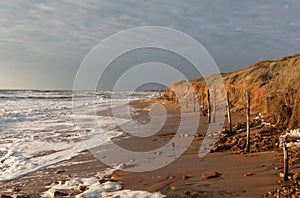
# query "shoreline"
(182, 177)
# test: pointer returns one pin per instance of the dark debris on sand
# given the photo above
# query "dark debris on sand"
(264, 139)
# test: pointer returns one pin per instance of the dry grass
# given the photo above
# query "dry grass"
(274, 87)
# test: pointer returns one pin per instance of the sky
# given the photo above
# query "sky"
(43, 43)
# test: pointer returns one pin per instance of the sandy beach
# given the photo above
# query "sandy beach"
(223, 173)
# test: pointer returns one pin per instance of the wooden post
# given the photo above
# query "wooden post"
(182, 101)
(194, 98)
(215, 105)
(248, 122)
(187, 102)
(202, 98)
(228, 113)
(286, 162)
(208, 105)
(159, 92)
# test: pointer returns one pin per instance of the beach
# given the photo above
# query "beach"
(222, 173)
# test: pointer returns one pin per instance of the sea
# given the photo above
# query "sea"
(38, 129)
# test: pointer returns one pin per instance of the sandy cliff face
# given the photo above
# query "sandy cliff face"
(274, 87)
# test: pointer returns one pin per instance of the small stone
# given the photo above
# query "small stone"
(172, 177)
(55, 183)
(115, 177)
(15, 189)
(286, 192)
(187, 192)
(210, 174)
(59, 171)
(248, 174)
(293, 160)
(185, 177)
(82, 188)
(296, 176)
(241, 143)
(58, 193)
(101, 181)
(270, 193)
(122, 165)
(278, 167)
(236, 149)
(289, 138)
(172, 187)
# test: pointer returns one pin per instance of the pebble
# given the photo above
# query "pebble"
(278, 167)
(248, 174)
(210, 174)
(296, 176)
(185, 177)
(57, 193)
(15, 189)
(172, 187)
(82, 188)
(115, 177)
(122, 165)
(59, 171)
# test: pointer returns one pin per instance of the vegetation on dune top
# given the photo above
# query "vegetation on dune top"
(273, 84)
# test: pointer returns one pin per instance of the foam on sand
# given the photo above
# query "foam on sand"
(96, 189)
(295, 134)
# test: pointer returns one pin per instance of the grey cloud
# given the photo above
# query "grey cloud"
(236, 33)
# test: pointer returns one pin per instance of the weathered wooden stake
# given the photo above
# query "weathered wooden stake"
(159, 92)
(248, 122)
(228, 113)
(187, 102)
(208, 105)
(285, 162)
(215, 105)
(194, 98)
(202, 98)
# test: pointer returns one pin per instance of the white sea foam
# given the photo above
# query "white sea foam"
(294, 133)
(96, 189)
(37, 129)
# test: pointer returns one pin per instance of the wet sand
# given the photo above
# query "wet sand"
(247, 175)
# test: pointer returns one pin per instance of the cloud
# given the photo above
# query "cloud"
(235, 32)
